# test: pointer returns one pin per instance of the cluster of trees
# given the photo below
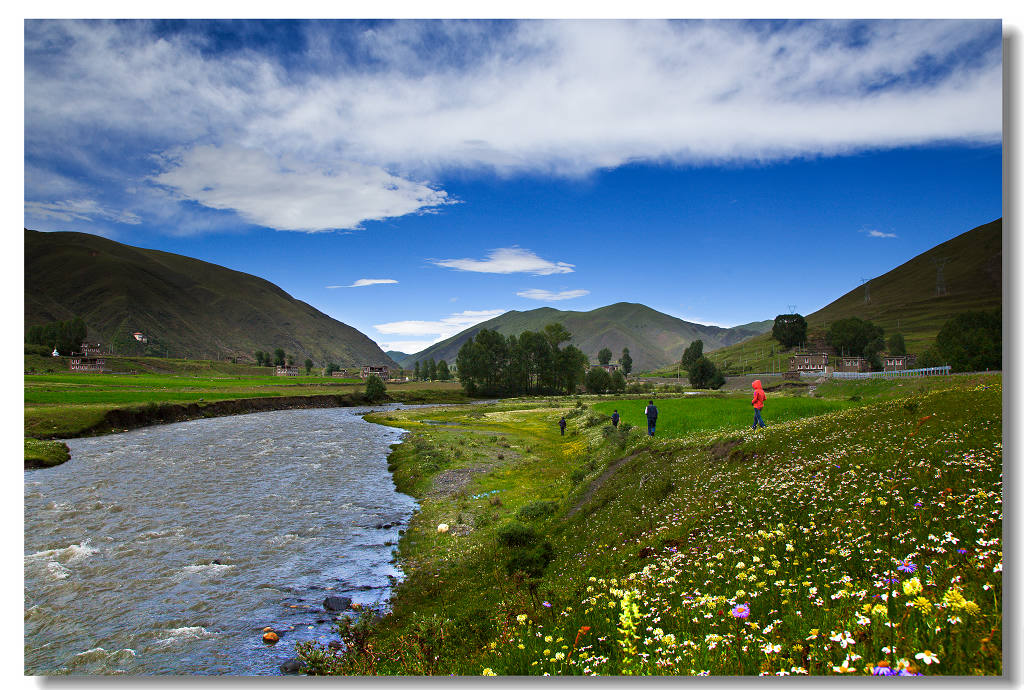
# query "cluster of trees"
(854, 337)
(604, 357)
(790, 330)
(66, 336)
(530, 363)
(971, 341)
(702, 372)
(598, 380)
(431, 370)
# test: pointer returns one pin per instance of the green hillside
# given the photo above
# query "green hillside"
(654, 339)
(186, 307)
(903, 300)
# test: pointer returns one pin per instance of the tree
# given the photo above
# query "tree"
(431, 373)
(626, 361)
(896, 344)
(556, 334)
(618, 382)
(597, 380)
(416, 371)
(375, 389)
(572, 368)
(278, 357)
(442, 371)
(790, 329)
(856, 337)
(693, 352)
(704, 374)
(972, 341)
(291, 360)
(259, 355)
(604, 356)
(331, 368)
(308, 364)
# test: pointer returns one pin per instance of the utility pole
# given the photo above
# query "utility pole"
(866, 282)
(940, 278)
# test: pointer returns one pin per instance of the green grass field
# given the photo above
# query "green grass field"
(855, 541)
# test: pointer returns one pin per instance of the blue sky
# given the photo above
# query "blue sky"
(413, 178)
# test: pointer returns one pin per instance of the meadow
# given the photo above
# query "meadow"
(865, 540)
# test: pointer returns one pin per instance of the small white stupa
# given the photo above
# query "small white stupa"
(55, 353)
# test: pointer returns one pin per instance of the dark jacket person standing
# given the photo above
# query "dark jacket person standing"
(615, 418)
(561, 424)
(652, 417)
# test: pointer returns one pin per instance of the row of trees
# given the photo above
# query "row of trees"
(66, 336)
(530, 363)
(279, 359)
(702, 372)
(431, 370)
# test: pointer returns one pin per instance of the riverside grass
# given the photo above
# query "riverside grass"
(862, 541)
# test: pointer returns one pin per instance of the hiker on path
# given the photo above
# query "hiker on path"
(561, 424)
(758, 403)
(652, 417)
(615, 418)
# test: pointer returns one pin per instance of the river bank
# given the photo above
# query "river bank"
(607, 552)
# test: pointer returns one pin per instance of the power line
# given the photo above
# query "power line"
(866, 282)
(940, 277)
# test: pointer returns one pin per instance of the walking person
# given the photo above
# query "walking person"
(758, 403)
(561, 424)
(615, 418)
(652, 417)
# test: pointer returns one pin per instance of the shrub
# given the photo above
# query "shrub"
(536, 510)
(704, 374)
(578, 475)
(375, 389)
(514, 534)
(531, 561)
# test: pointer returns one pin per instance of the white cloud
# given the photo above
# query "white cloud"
(289, 194)
(346, 143)
(363, 282)
(508, 260)
(879, 233)
(441, 329)
(79, 209)
(548, 296)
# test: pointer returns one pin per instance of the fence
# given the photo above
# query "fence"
(905, 373)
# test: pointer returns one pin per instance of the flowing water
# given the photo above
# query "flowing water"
(167, 550)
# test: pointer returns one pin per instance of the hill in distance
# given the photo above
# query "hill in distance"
(654, 339)
(906, 299)
(189, 307)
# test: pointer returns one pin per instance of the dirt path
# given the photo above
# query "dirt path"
(597, 483)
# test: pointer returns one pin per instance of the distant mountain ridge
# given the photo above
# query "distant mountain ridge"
(654, 339)
(190, 307)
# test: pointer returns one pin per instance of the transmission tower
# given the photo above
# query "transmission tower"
(792, 308)
(866, 282)
(940, 278)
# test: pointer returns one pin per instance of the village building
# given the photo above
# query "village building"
(380, 372)
(812, 363)
(607, 367)
(899, 362)
(852, 364)
(339, 374)
(92, 349)
(286, 370)
(140, 336)
(94, 364)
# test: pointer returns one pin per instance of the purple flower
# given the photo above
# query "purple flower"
(741, 611)
(880, 670)
(545, 604)
(919, 505)
(907, 567)
(961, 551)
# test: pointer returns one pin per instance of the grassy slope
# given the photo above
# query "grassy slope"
(193, 307)
(902, 300)
(653, 338)
(802, 522)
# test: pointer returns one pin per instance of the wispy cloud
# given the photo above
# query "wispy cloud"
(508, 260)
(353, 125)
(879, 233)
(548, 296)
(80, 209)
(363, 282)
(440, 329)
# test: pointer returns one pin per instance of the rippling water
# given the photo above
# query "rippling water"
(168, 549)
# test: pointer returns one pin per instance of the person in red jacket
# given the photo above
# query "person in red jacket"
(758, 403)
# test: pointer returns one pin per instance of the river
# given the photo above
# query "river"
(168, 549)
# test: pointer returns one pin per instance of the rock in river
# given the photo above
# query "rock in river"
(337, 603)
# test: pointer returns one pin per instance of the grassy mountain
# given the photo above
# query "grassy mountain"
(654, 339)
(905, 299)
(187, 307)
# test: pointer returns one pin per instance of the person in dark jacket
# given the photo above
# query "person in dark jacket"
(561, 424)
(652, 417)
(758, 403)
(615, 418)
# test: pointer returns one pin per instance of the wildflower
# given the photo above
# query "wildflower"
(844, 639)
(907, 567)
(882, 668)
(521, 618)
(559, 656)
(770, 648)
(545, 604)
(741, 611)
(442, 528)
(927, 657)
(845, 668)
(488, 672)
(971, 609)
(741, 564)
(814, 634)
(548, 638)
(922, 605)
(912, 587)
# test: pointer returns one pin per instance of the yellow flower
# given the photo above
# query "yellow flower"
(521, 618)
(922, 605)
(971, 609)
(912, 587)
(488, 672)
